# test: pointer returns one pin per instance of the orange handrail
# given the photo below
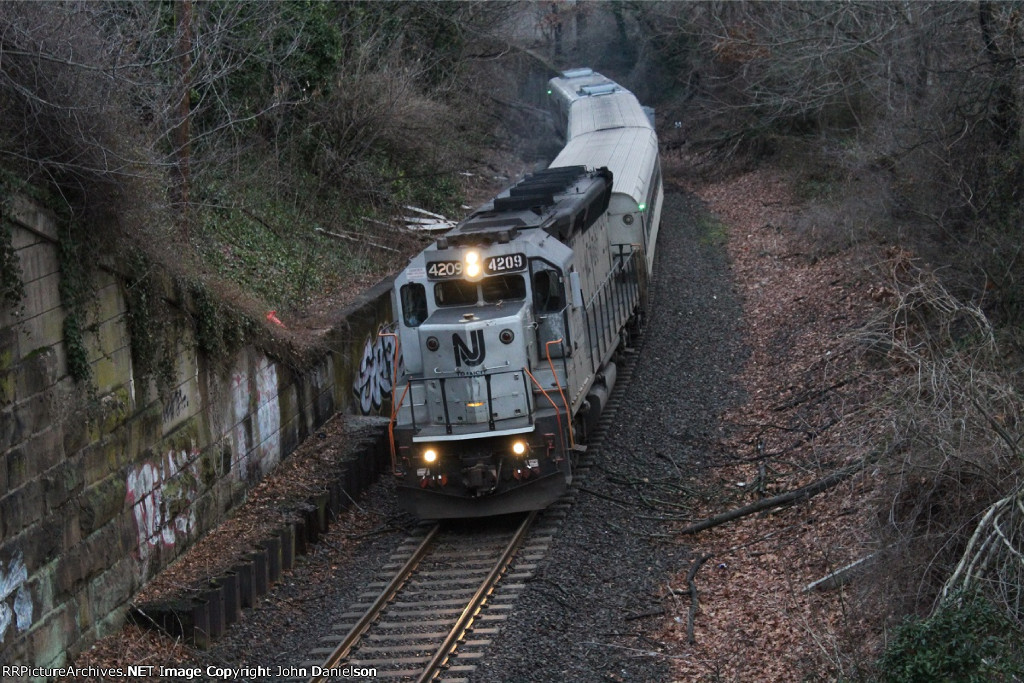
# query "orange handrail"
(391, 429)
(394, 405)
(557, 415)
(551, 364)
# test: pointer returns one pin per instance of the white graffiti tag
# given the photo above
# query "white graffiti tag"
(376, 372)
(160, 494)
(12, 582)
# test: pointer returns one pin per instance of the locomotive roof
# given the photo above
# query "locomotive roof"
(557, 200)
(629, 153)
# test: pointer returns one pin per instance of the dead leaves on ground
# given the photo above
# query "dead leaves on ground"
(755, 622)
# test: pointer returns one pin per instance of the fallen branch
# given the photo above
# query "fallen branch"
(417, 209)
(988, 542)
(794, 496)
(385, 528)
(690, 576)
(1003, 434)
(839, 577)
(809, 395)
(262, 222)
(621, 503)
(649, 613)
(341, 236)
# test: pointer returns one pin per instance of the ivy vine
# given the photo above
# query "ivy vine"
(75, 293)
(12, 288)
(220, 330)
(153, 350)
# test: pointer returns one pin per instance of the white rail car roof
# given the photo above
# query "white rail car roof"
(575, 84)
(602, 112)
(630, 153)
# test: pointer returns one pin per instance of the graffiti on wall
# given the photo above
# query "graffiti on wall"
(268, 418)
(161, 494)
(239, 409)
(176, 405)
(15, 598)
(373, 382)
(255, 415)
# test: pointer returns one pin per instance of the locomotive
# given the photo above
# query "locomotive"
(509, 324)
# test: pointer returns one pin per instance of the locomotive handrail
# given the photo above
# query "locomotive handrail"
(599, 331)
(551, 364)
(558, 416)
(457, 376)
(394, 406)
(620, 266)
(475, 373)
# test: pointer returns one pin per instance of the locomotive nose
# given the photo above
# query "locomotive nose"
(473, 360)
(474, 341)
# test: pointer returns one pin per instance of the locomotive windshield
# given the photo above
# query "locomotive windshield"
(490, 290)
(503, 288)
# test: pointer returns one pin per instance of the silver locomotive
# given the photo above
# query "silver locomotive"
(509, 324)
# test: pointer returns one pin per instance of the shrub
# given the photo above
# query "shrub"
(965, 640)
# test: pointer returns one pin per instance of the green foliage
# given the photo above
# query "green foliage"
(12, 289)
(302, 114)
(153, 349)
(220, 330)
(968, 641)
(713, 232)
(291, 50)
(75, 293)
(269, 247)
(429, 31)
(437, 192)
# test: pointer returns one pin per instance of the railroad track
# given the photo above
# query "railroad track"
(409, 627)
(438, 604)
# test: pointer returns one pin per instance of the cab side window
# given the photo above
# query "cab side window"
(549, 305)
(414, 304)
(548, 293)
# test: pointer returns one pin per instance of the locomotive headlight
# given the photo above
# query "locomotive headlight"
(519, 447)
(430, 456)
(433, 344)
(506, 336)
(472, 263)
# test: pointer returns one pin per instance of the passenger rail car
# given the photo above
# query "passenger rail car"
(509, 324)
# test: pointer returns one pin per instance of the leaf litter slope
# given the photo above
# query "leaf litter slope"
(805, 391)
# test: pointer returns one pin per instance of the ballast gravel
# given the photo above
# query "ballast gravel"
(598, 600)
(600, 597)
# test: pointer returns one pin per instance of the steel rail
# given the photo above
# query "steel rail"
(389, 592)
(476, 602)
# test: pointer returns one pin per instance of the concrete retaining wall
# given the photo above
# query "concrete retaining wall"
(91, 508)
